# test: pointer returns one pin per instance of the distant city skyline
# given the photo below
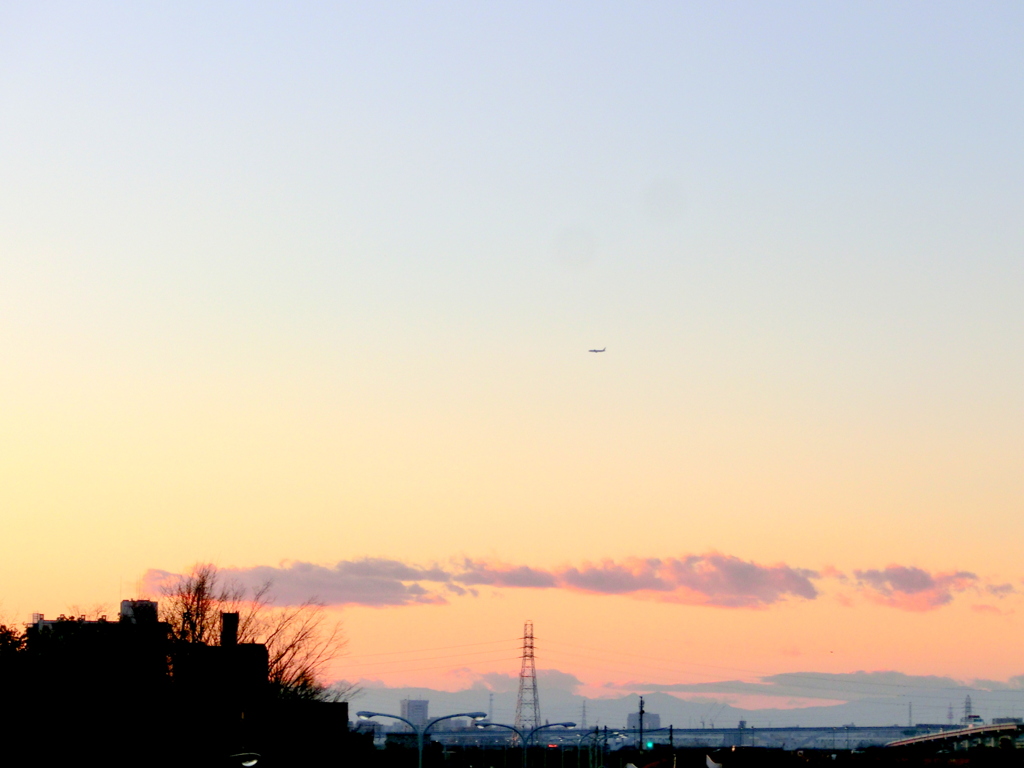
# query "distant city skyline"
(917, 700)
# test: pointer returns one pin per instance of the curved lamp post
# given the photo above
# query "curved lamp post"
(596, 735)
(421, 732)
(588, 735)
(525, 738)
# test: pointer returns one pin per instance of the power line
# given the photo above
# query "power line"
(421, 669)
(440, 648)
(433, 658)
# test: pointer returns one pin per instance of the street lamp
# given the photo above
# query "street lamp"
(421, 732)
(594, 734)
(588, 735)
(525, 739)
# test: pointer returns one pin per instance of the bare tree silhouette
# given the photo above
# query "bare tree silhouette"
(12, 640)
(301, 640)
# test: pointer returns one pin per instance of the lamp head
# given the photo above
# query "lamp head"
(478, 716)
(365, 715)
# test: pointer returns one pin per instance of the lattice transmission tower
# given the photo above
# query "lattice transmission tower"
(528, 704)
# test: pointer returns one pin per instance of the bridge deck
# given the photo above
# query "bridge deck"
(976, 732)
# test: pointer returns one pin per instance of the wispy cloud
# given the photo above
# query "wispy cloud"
(497, 682)
(913, 589)
(370, 581)
(480, 573)
(711, 579)
(1001, 590)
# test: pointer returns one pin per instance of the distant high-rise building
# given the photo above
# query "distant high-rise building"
(415, 711)
(652, 722)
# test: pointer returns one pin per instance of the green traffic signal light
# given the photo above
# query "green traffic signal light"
(650, 744)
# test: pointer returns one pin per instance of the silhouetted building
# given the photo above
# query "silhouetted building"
(231, 675)
(84, 678)
(81, 682)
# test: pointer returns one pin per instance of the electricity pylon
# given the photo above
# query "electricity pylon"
(528, 703)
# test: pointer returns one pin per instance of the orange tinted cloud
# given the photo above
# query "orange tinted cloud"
(711, 579)
(913, 589)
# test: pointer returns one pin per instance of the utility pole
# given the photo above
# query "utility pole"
(640, 745)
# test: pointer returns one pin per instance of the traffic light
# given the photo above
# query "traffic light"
(650, 744)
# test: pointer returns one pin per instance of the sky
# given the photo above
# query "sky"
(306, 290)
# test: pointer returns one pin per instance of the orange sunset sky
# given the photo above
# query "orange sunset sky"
(308, 292)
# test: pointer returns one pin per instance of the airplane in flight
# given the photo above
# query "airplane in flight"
(602, 349)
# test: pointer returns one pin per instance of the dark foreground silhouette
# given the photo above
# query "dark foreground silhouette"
(128, 692)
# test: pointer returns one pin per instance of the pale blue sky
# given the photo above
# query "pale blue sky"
(567, 173)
